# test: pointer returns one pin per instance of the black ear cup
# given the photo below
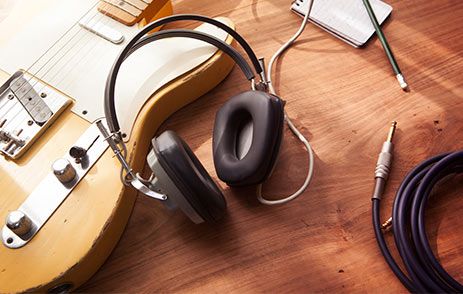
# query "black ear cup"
(247, 136)
(185, 180)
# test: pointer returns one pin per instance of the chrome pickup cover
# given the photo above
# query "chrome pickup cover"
(24, 91)
(27, 107)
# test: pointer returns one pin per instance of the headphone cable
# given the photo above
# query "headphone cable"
(291, 126)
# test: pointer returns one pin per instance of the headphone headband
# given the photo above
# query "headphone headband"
(139, 40)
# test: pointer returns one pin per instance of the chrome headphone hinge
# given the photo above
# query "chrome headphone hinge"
(132, 179)
(143, 188)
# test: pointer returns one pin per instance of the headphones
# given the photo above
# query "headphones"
(248, 131)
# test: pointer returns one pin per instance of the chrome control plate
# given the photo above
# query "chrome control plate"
(27, 108)
(50, 193)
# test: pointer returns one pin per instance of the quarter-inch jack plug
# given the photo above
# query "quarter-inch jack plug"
(383, 166)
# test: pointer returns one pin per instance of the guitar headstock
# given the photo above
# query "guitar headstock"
(130, 12)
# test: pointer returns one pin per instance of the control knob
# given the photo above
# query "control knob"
(64, 170)
(19, 223)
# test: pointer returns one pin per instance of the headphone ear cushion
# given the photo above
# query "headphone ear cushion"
(189, 176)
(264, 114)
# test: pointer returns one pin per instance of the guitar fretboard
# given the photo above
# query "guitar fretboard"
(130, 12)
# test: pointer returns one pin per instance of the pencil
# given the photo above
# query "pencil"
(387, 48)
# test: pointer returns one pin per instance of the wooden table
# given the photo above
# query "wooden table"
(343, 99)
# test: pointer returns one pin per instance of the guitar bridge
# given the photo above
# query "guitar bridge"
(27, 108)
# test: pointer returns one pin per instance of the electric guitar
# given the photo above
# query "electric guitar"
(62, 202)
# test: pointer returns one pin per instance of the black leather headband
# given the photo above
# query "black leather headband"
(140, 40)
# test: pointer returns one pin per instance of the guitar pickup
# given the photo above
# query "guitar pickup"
(23, 90)
(102, 30)
(28, 107)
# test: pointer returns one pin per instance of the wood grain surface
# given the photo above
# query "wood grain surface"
(343, 99)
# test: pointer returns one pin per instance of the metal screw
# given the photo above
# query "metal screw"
(43, 95)
(30, 122)
(10, 96)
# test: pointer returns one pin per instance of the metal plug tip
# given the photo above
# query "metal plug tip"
(387, 225)
(392, 129)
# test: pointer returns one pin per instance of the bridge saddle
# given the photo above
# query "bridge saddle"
(27, 108)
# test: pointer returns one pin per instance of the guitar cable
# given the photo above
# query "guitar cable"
(291, 126)
(425, 273)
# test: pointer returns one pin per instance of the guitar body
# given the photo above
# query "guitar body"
(82, 232)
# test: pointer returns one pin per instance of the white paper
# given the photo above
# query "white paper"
(348, 19)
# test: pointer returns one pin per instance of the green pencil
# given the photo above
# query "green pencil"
(387, 49)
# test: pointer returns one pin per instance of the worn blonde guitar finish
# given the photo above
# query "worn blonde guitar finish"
(80, 235)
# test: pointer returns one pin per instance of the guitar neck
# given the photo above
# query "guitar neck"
(129, 12)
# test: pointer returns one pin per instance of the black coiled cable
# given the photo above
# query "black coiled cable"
(425, 273)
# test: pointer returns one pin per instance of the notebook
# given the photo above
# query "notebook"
(347, 20)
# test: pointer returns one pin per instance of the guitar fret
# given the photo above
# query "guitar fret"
(138, 4)
(125, 6)
(117, 13)
(129, 12)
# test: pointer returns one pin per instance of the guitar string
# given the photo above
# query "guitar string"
(86, 51)
(29, 69)
(57, 79)
(89, 36)
(21, 109)
(76, 24)
(82, 42)
(65, 70)
(62, 36)
(49, 81)
(59, 50)
(14, 124)
(61, 73)
(93, 45)
(34, 75)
